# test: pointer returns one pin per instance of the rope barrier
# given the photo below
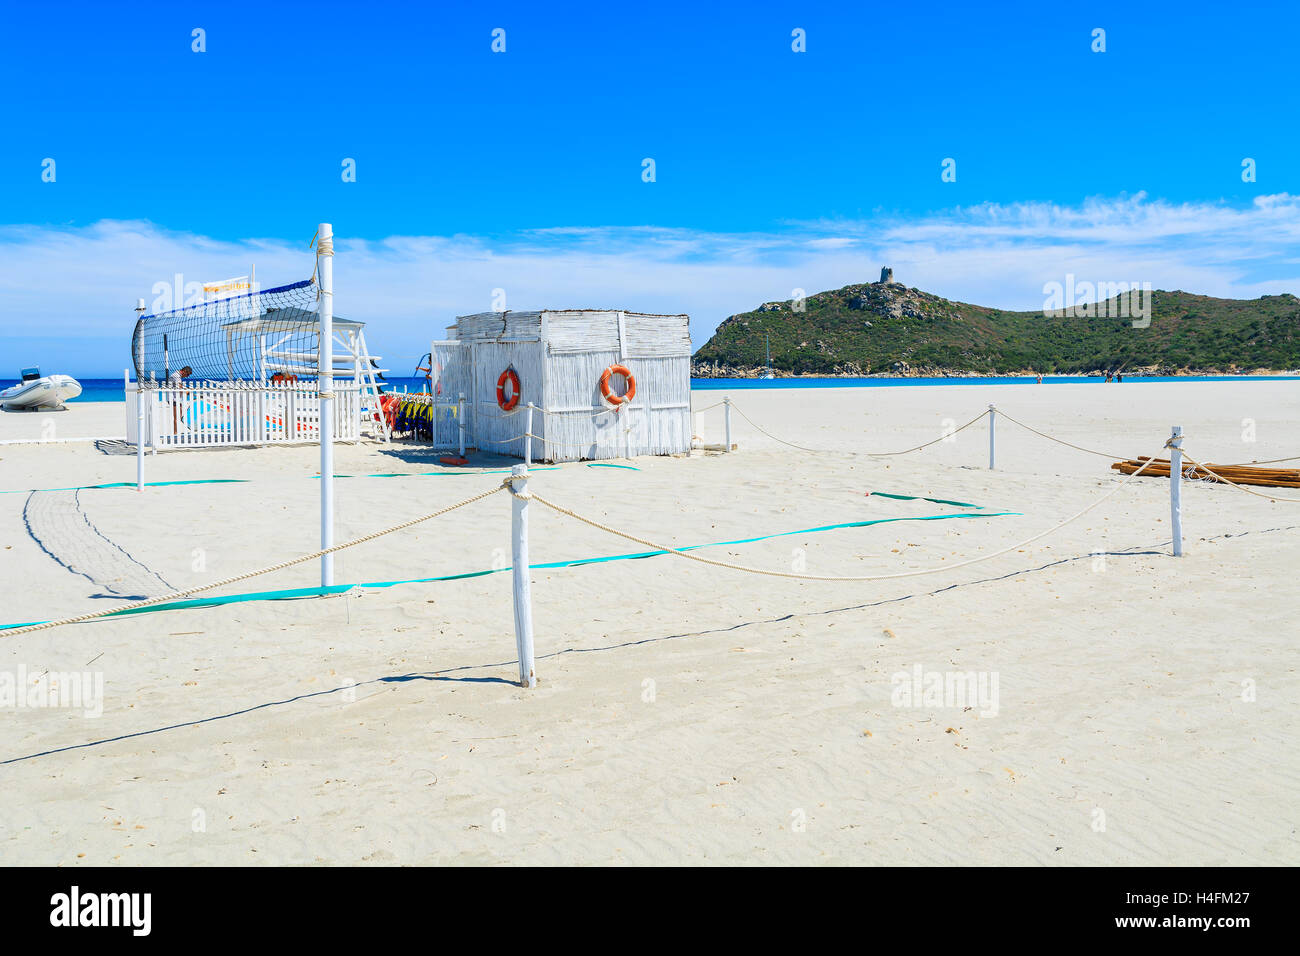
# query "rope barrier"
(817, 577)
(1270, 461)
(176, 595)
(1059, 441)
(781, 440)
(1229, 481)
(829, 451)
(945, 437)
(298, 593)
(1000, 413)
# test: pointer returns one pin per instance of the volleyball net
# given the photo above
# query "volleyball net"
(259, 336)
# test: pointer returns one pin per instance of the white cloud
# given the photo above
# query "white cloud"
(76, 287)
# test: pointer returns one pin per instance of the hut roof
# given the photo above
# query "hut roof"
(581, 330)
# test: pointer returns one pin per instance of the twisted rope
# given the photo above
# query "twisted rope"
(814, 577)
(945, 437)
(1059, 441)
(878, 454)
(1229, 481)
(177, 595)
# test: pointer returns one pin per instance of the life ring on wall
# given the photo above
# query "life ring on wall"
(511, 376)
(605, 390)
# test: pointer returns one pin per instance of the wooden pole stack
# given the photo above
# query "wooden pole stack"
(1240, 474)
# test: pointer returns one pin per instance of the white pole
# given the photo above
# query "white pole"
(139, 401)
(325, 386)
(261, 393)
(153, 419)
(523, 592)
(528, 436)
(460, 422)
(139, 434)
(1176, 488)
(726, 417)
(993, 412)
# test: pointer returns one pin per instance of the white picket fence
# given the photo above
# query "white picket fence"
(204, 414)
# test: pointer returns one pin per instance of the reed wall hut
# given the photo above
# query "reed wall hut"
(559, 357)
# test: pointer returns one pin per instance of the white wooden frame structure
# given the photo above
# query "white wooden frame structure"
(211, 414)
(349, 358)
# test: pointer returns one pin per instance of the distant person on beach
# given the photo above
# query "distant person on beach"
(177, 376)
(1119, 377)
(1040, 379)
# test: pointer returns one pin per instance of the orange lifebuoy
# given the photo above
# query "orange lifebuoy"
(511, 376)
(605, 390)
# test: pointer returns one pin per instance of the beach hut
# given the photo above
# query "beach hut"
(603, 383)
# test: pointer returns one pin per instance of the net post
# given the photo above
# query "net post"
(139, 398)
(528, 435)
(520, 571)
(993, 415)
(325, 388)
(1176, 487)
(726, 418)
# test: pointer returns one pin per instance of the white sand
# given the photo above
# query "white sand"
(1122, 733)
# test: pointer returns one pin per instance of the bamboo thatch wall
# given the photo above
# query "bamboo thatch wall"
(493, 429)
(559, 357)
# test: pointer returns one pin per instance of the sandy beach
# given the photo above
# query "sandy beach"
(684, 713)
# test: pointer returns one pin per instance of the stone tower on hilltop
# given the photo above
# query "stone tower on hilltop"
(886, 275)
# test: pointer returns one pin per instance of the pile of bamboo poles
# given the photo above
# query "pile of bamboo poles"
(1238, 474)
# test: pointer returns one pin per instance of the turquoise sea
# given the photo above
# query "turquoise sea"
(110, 389)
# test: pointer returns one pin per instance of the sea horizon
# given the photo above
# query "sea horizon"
(111, 389)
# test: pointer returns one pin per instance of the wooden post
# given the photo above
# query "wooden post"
(460, 422)
(726, 418)
(520, 569)
(528, 435)
(1176, 488)
(993, 414)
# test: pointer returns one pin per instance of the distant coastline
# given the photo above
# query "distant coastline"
(704, 371)
(110, 389)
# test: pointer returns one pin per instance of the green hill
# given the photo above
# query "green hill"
(885, 328)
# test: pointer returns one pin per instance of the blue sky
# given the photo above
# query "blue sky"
(523, 170)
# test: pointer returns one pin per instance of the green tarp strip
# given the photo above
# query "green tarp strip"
(292, 593)
(131, 484)
(937, 501)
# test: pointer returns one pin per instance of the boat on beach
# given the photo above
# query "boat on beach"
(37, 391)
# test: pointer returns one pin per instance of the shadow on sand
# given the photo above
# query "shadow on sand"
(1159, 549)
